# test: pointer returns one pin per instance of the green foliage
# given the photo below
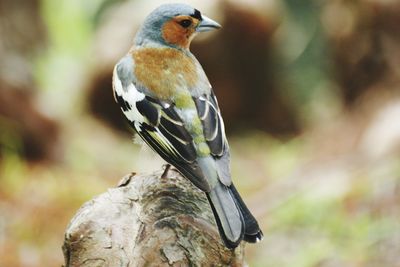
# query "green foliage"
(61, 68)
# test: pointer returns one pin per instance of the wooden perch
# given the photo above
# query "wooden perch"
(147, 221)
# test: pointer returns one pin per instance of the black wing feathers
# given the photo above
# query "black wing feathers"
(121, 101)
(148, 110)
(165, 118)
(172, 115)
(210, 123)
(191, 170)
(184, 148)
(180, 152)
(202, 107)
(208, 110)
(176, 129)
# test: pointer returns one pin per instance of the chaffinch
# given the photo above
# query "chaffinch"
(166, 97)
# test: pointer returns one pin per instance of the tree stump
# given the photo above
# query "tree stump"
(148, 220)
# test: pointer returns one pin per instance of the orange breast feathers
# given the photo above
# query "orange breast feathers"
(163, 70)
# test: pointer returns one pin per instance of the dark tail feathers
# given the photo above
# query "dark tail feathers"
(234, 220)
(252, 232)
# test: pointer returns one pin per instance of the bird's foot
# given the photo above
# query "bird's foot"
(166, 170)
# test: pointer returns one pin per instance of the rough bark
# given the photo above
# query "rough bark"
(147, 221)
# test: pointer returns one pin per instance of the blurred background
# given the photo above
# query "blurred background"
(310, 95)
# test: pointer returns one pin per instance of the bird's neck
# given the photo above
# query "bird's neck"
(148, 43)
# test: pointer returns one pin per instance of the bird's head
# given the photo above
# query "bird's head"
(174, 25)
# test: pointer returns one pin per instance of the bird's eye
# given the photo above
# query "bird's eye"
(185, 23)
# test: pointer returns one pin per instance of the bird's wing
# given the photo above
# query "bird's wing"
(158, 123)
(213, 125)
(214, 132)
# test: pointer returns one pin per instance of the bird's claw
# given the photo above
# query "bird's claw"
(166, 170)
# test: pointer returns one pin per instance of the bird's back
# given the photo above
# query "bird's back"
(166, 72)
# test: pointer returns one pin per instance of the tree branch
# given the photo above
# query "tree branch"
(147, 221)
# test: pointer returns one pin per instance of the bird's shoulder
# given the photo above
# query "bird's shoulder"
(123, 71)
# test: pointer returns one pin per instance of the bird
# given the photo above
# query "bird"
(168, 100)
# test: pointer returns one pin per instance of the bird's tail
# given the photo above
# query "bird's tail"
(252, 232)
(234, 220)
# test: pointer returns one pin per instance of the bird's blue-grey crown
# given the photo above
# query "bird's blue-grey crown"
(151, 29)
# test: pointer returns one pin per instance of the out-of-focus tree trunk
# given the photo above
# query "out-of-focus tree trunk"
(147, 221)
(24, 128)
(365, 42)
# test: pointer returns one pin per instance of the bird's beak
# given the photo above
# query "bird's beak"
(207, 24)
